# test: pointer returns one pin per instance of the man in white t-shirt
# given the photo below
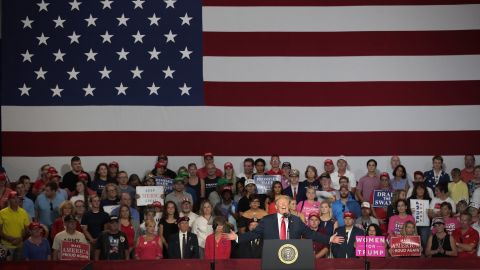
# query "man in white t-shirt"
(342, 171)
(70, 234)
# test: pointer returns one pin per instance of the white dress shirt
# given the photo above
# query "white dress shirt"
(180, 237)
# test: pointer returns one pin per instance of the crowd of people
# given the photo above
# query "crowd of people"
(207, 205)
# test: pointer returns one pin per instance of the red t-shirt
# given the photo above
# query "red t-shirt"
(272, 172)
(202, 173)
(467, 176)
(470, 237)
(130, 233)
(4, 198)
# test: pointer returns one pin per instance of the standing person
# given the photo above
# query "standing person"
(113, 169)
(112, 244)
(320, 250)
(349, 233)
(381, 212)
(343, 171)
(94, 221)
(149, 246)
(26, 203)
(420, 193)
(399, 180)
(70, 234)
(292, 208)
(368, 183)
(164, 160)
(71, 177)
(187, 212)
(310, 205)
(197, 184)
(277, 225)
(275, 166)
(208, 158)
(286, 168)
(229, 174)
(14, 223)
(436, 175)
(40, 183)
(458, 189)
(125, 199)
(122, 180)
(110, 195)
(4, 189)
(47, 204)
(168, 224)
(467, 173)
(327, 223)
(419, 178)
(474, 184)
(216, 246)
(211, 179)
(202, 226)
(259, 167)
(100, 179)
(311, 178)
(255, 213)
(441, 196)
(149, 214)
(252, 249)
(65, 209)
(247, 170)
(276, 191)
(374, 230)
(466, 237)
(328, 166)
(183, 245)
(25, 180)
(394, 163)
(37, 247)
(296, 190)
(366, 218)
(178, 195)
(327, 191)
(403, 215)
(250, 190)
(129, 226)
(440, 244)
(344, 204)
(81, 192)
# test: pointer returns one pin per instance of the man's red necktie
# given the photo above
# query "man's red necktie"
(283, 230)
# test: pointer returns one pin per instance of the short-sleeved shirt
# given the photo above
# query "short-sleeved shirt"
(367, 185)
(64, 236)
(47, 214)
(352, 182)
(13, 224)
(436, 202)
(112, 246)
(4, 198)
(95, 222)
(34, 252)
(470, 237)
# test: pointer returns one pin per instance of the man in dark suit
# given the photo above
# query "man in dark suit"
(296, 189)
(350, 233)
(184, 244)
(283, 226)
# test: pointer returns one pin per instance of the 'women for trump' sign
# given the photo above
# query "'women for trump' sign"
(373, 246)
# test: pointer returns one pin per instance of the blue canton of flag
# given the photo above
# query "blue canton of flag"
(102, 52)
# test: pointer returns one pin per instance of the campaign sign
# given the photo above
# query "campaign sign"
(420, 212)
(71, 251)
(375, 246)
(166, 183)
(146, 195)
(264, 182)
(382, 198)
(405, 246)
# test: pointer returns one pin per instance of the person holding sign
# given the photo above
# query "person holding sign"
(381, 212)
(397, 221)
(419, 203)
(440, 244)
(70, 234)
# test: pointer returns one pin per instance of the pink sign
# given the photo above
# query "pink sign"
(375, 246)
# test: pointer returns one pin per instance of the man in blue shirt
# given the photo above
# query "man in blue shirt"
(345, 204)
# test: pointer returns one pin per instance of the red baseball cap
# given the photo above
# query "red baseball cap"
(54, 175)
(328, 161)
(228, 165)
(384, 174)
(157, 204)
(52, 170)
(34, 225)
(83, 176)
(3, 177)
(113, 164)
(313, 215)
(207, 154)
(12, 195)
(349, 215)
(161, 164)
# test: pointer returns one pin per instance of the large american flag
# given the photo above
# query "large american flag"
(240, 77)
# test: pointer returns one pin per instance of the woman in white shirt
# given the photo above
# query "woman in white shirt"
(202, 226)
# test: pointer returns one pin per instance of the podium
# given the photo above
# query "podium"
(288, 254)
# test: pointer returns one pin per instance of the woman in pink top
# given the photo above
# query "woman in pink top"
(395, 224)
(310, 205)
(149, 246)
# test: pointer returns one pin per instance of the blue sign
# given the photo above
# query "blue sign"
(382, 198)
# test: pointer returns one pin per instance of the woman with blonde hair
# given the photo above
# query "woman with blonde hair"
(149, 246)
(327, 223)
(202, 226)
(65, 208)
(110, 195)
